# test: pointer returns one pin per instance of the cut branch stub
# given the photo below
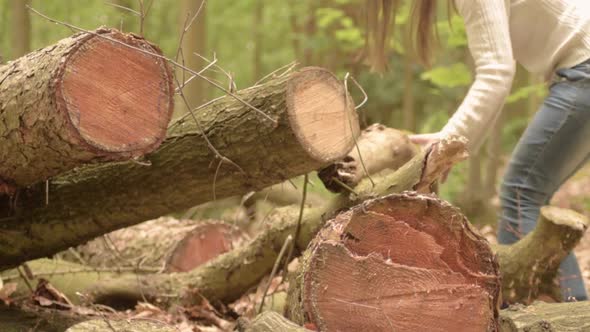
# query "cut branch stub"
(91, 97)
(402, 263)
(203, 243)
(530, 266)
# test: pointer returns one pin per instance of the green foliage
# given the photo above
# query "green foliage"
(455, 75)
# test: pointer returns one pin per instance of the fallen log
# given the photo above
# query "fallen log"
(530, 266)
(378, 148)
(84, 99)
(232, 274)
(391, 261)
(313, 124)
(164, 244)
(546, 317)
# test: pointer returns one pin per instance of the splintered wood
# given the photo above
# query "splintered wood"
(404, 262)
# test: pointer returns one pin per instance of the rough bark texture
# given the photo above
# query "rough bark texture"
(271, 322)
(392, 260)
(546, 317)
(377, 149)
(164, 244)
(101, 325)
(312, 128)
(232, 274)
(84, 99)
(530, 266)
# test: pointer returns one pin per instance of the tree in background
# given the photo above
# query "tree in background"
(194, 41)
(21, 31)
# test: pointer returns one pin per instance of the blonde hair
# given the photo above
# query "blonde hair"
(381, 17)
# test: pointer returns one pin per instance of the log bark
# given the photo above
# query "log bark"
(390, 261)
(378, 148)
(164, 244)
(84, 99)
(546, 317)
(313, 125)
(101, 325)
(232, 274)
(271, 322)
(530, 266)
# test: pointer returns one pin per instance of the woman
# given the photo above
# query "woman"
(550, 37)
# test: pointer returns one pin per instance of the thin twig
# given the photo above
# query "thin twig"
(298, 228)
(344, 185)
(134, 12)
(25, 279)
(274, 269)
(358, 150)
(215, 84)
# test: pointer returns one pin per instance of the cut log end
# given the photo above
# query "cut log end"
(205, 242)
(322, 114)
(400, 263)
(565, 217)
(117, 95)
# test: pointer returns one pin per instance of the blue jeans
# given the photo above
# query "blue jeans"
(554, 146)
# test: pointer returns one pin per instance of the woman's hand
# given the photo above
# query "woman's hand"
(425, 139)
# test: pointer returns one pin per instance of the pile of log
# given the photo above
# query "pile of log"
(89, 120)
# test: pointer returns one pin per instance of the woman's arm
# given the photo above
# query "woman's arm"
(487, 26)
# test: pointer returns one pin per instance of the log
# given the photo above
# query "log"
(530, 266)
(405, 262)
(270, 322)
(232, 274)
(165, 244)
(313, 125)
(136, 325)
(378, 148)
(546, 317)
(84, 99)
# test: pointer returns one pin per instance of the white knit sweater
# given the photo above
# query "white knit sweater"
(542, 35)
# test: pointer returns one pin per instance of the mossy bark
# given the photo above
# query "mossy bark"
(183, 172)
(42, 133)
(546, 317)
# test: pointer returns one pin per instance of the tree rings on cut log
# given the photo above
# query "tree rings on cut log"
(175, 244)
(321, 113)
(92, 97)
(203, 243)
(403, 262)
(117, 97)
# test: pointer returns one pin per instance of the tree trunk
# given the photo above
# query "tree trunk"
(313, 125)
(530, 266)
(437, 265)
(546, 317)
(21, 28)
(194, 41)
(85, 99)
(232, 274)
(257, 31)
(164, 244)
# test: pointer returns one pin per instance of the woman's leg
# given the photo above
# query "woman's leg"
(553, 147)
